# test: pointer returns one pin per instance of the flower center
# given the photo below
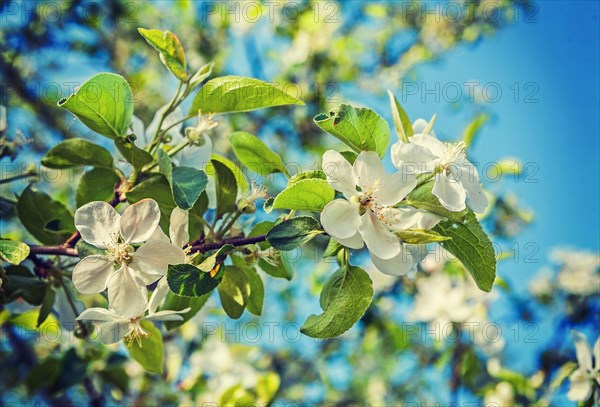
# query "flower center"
(368, 198)
(136, 334)
(455, 153)
(121, 252)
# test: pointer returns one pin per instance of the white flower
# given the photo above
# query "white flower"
(582, 379)
(502, 395)
(456, 179)
(367, 215)
(114, 326)
(122, 269)
(579, 273)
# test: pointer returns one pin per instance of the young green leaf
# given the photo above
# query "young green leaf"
(255, 155)
(257, 291)
(473, 128)
(175, 302)
(170, 50)
(148, 353)
(96, 185)
(77, 152)
(345, 298)
(226, 187)
(187, 280)
(186, 183)
(401, 120)
(422, 198)
(133, 154)
(293, 232)
(311, 194)
(420, 236)
(104, 103)
(47, 220)
(234, 291)
(239, 94)
(13, 252)
(472, 246)
(278, 266)
(238, 174)
(359, 128)
(200, 75)
(316, 174)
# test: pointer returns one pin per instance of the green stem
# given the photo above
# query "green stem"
(82, 326)
(424, 179)
(178, 122)
(223, 229)
(172, 105)
(17, 177)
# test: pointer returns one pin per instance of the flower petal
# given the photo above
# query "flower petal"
(91, 274)
(152, 259)
(580, 388)
(158, 234)
(409, 218)
(582, 348)
(179, 227)
(451, 193)
(195, 156)
(596, 351)
(113, 332)
(355, 242)
(340, 218)
(368, 169)
(159, 294)
(99, 314)
(139, 221)
(394, 187)
(339, 173)
(174, 132)
(167, 315)
(419, 125)
(399, 265)
(412, 158)
(379, 240)
(469, 179)
(431, 143)
(127, 295)
(98, 224)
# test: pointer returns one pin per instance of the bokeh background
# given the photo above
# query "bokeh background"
(520, 78)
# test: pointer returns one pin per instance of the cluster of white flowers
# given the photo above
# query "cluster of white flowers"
(370, 215)
(580, 271)
(136, 254)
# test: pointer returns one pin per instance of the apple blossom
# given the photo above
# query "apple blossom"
(122, 269)
(114, 326)
(587, 374)
(456, 180)
(367, 215)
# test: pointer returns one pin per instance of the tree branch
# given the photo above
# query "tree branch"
(202, 248)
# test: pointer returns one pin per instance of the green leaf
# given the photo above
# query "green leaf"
(261, 228)
(104, 103)
(187, 280)
(422, 198)
(96, 185)
(401, 120)
(47, 220)
(316, 174)
(267, 386)
(13, 252)
(19, 281)
(77, 152)
(156, 187)
(186, 183)
(278, 267)
(473, 128)
(257, 291)
(332, 249)
(359, 128)
(200, 75)
(294, 232)
(226, 187)
(347, 295)
(170, 50)
(46, 307)
(234, 291)
(175, 302)
(472, 246)
(420, 236)
(149, 352)
(309, 194)
(133, 154)
(255, 155)
(239, 94)
(268, 205)
(242, 184)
